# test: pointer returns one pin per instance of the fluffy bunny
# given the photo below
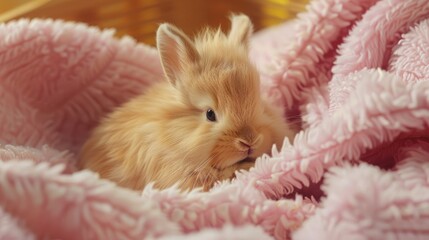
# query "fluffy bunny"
(203, 123)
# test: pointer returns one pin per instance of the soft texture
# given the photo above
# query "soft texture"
(355, 70)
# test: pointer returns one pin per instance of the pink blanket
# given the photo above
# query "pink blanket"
(357, 72)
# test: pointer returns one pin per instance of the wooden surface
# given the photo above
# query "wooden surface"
(140, 18)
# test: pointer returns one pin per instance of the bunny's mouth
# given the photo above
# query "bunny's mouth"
(247, 159)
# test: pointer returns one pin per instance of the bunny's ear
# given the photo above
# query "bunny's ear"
(176, 51)
(241, 29)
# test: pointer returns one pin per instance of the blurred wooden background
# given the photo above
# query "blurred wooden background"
(140, 18)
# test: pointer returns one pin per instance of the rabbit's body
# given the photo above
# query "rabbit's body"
(198, 127)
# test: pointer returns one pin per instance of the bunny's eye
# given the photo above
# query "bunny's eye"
(211, 115)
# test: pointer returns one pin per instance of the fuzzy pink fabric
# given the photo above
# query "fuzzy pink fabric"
(355, 70)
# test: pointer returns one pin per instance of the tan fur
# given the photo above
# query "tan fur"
(163, 135)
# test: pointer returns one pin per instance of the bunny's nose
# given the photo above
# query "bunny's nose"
(245, 146)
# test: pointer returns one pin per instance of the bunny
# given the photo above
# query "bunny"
(203, 123)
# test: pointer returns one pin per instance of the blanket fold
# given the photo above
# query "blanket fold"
(354, 71)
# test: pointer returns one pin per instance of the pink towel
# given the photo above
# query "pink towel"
(355, 70)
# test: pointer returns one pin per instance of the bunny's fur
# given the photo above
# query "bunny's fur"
(164, 136)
